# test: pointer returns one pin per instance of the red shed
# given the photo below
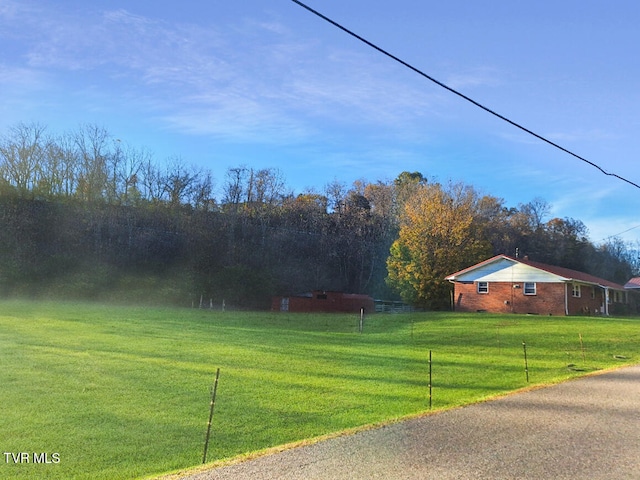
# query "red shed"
(323, 301)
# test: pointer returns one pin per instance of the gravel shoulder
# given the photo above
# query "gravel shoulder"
(585, 428)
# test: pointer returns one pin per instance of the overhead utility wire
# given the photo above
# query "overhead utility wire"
(618, 234)
(452, 90)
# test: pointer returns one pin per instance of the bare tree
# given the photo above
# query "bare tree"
(535, 212)
(233, 190)
(131, 162)
(59, 170)
(202, 190)
(92, 143)
(268, 186)
(151, 180)
(22, 155)
(336, 193)
(178, 182)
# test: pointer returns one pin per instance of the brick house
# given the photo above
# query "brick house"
(504, 284)
(323, 301)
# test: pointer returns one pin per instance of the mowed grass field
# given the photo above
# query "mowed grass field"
(123, 392)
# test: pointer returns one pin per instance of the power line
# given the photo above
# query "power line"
(618, 234)
(465, 97)
(628, 230)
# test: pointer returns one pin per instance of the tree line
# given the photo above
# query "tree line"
(86, 215)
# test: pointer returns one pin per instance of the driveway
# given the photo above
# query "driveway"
(581, 429)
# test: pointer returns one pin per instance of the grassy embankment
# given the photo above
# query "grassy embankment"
(123, 392)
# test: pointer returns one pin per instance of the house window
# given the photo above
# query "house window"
(593, 293)
(575, 291)
(284, 304)
(483, 287)
(618, 297)
(529, 288)
(321, 296)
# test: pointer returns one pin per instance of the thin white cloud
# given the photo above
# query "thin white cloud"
(8, 9)
(220, 80)
(478, 77)
(360, 91)
(221, 72)
(580, 197)
(21, 88)
(20, 77)
(582, 135)
(602, 229)
(235, 119)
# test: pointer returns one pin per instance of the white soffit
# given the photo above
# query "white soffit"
(504, 270)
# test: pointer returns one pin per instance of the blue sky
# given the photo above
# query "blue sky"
(267, 84)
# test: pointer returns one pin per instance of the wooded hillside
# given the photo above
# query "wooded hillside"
(84, 215)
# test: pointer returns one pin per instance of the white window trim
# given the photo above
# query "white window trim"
(535, 288)
(576, 291)
(486, 284)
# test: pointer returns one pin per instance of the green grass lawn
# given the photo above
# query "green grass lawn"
(123, 392)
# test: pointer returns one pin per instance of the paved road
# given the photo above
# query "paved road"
(582, 429)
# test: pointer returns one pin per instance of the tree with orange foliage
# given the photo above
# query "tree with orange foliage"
(439, 234)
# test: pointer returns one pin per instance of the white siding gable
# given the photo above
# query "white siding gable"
(504, 270)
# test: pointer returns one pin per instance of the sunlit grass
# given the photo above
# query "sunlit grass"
(123, 392)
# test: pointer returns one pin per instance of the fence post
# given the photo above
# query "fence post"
(526, 365)
(212, 405)
(430, 384)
